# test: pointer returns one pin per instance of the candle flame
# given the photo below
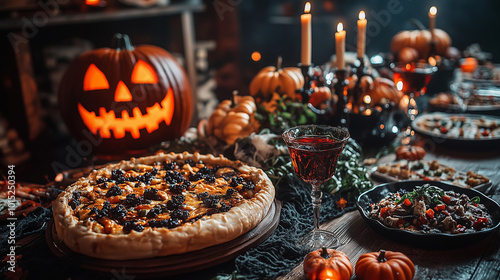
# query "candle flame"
(432, 61)
(433, 10)
(362, 15)
(307, 8)
(367, 99)
(340, 27)
(399, 85)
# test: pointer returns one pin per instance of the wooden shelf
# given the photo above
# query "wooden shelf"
(106, 14)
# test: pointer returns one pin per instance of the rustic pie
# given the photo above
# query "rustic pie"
(161, 205)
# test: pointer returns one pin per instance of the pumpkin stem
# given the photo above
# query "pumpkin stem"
(381, 257)
(278, 63)
(324, 253)
(233, 98)
(122, 42)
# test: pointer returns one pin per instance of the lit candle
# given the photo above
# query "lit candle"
(361, 35)
(432, 20)
(305, 19)
(93, 2)
(340, 46)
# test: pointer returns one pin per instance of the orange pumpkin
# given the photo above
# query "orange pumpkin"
(125, 98)
(233, 120)
(410, 153)
(285, 81)
(320, 95)
(421, 41)
(408, 54)
(469, 64)
(380, 90)
(384, 265)
(326, 264)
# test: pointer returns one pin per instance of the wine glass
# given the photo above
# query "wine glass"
(412, 79)
(314, 151)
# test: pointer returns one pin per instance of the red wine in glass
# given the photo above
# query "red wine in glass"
(314, 151)
(314, 157)
(414, 78)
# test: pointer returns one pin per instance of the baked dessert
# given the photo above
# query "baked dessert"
(161, 205)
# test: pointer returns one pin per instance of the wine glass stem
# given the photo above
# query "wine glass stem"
(412, 111)
(316, 195)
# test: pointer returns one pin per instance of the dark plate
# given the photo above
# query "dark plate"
(426, 239)
(385, 177)
(493, 110)
(456, 141)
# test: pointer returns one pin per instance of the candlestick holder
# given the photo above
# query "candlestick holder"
(359, 67)
(432, 50)
(359, 70)
(343, 104)
(306, 89)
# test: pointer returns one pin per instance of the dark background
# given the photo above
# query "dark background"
(273, 27)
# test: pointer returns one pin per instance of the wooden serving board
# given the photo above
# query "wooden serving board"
(458, 178)
(174, 264)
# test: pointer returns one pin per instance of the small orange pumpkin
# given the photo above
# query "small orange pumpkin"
(384, 265)
(285, 81)
(320, 95)
(327, 264)
(410, 153)
(233, 120)
(469, 64)
(408, 54)
(381, 90)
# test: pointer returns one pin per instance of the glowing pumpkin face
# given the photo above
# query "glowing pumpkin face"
(127, 98)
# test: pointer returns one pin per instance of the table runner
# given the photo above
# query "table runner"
(279, 253)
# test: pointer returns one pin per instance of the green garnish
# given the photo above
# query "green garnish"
(475, 200)
(431, 193)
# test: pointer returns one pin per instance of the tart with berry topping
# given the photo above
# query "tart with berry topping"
(161, 205)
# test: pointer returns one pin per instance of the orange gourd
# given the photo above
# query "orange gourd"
(320, 95)
(285, 81)
(421, 41)
(380, 90)
(384, 265)
(469, 64)
(410, 153)
(233, 119)
(408, 54)
(326, 264)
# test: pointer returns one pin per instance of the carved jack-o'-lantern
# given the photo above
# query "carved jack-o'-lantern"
(126, 98)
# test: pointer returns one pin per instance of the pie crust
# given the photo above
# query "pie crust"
(86, 236)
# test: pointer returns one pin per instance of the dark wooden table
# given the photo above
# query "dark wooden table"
(479, 260)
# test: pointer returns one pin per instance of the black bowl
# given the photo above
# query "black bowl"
(426, 239)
